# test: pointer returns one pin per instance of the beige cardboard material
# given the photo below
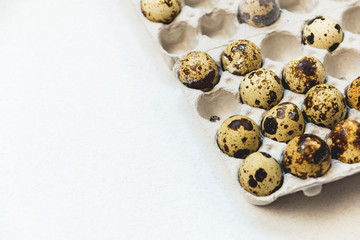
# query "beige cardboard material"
(211, 25)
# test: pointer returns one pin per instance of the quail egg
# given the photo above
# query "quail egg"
(241, 57)
(199, 71)
(160, 10)
(344, 141)
(239, 136)
(283, 122)
(324, 105)
(260, 174)
(303, 73)
(261, 88)
(259, 13)
(307, 156)
(323, 32)
(353, 94)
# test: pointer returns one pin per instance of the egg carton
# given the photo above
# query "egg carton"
(210, 25)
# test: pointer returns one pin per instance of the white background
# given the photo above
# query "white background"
(98, 142)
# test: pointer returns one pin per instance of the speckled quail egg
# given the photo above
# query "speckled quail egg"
(199, 71)
(307, 156)
(323, 32)
(302, 73)
(162, 11)
(239, 136)
(324, 105)
(241, 57)
(283, 122)
(260, 174)
(259, 13)
(353, 94)
(344, 141)
(261, 88)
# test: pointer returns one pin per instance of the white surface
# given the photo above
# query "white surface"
(96, 141)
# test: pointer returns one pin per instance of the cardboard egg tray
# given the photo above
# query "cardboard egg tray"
(210, 25)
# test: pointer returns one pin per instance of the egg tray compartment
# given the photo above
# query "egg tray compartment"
(210, 25)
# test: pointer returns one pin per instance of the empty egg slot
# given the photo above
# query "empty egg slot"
(200, 3)
(354, 114)
(351, 20)
(343, 64)
(311, 128)
(218, 24)
(217, 106)
(300, 6)
(178, 38)
(281, 46)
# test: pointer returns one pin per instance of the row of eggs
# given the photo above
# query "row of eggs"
(305, 156)
(256, 13)
(324, 105)
(319, 32)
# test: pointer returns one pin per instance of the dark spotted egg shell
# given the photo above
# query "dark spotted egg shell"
(241, 57)
(260, 174)
(307, 156)
(239, 136)
(302, 73)
(259, 13)
(283, 122)
(325, 105)
(353, 94)
(261, 88)
(323, 32)
(198, 70)
(161, 11)
(344, 141)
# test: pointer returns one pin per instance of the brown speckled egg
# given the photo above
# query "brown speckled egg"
(344, 141)
(239, 136)
(283, 122)
(307, 156)
(322, 32)
(241, 57)
(162, 11)
(353, 94)
(199, 71)
(303, 73)
(325, 105)
(261, 88)
(260, 174)
(259, 13)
